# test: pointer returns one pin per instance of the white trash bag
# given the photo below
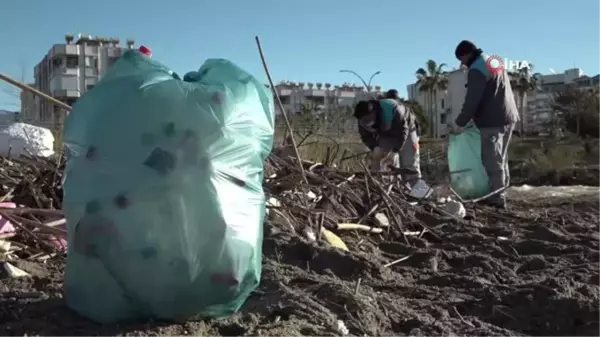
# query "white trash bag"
(25, 139)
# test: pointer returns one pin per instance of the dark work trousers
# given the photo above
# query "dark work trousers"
(494, 157)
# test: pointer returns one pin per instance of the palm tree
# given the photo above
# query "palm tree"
(431, 80)
(577, 109)
(319, 85)
(420, 114)
(327, 86)
(69, 38)
(523, 82)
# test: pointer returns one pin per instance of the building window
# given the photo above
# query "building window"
(316, 99)
(57, 62)
(442, 103)
(285, 100)
(89, 87)
(72, 61)
(91, 62)
(443, 119)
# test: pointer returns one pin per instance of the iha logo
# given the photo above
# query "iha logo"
(496, 64)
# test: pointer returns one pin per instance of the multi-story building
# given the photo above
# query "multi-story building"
(441, 105)
(539, 102)
(298, 98)
(70, 69)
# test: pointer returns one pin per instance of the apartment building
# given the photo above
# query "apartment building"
(539, 103)
(443, 105)
(67, 71)
(300, 97)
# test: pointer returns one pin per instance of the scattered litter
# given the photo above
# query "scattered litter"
(6, 227)
(4, 246)
(334, 240)
(382, 219)
(309, 234)
(420, 190)
(341, 328)
(455, 208)
(360, 227)
(14, 271)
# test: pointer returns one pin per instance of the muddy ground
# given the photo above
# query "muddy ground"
(533, 270)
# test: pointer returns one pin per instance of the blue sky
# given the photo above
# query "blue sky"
(310, 40)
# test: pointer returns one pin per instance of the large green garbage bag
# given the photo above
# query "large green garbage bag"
(163, 191)
(468, 177)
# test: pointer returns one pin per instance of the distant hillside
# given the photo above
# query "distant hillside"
(7, 116)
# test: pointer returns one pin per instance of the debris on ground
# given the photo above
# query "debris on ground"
(349, 253)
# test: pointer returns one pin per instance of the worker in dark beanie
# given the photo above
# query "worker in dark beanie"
(388, 128)
(464, 48)
(490, 104)
(393, 94)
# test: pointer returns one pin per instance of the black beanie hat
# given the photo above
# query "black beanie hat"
(361, 109)
(392, 93)
(464, 47)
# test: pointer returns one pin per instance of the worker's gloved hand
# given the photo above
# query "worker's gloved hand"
(381, 158)
(455, 129)
(388, 161)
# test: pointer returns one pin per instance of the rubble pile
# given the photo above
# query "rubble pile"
(331, 200)
(32, 225)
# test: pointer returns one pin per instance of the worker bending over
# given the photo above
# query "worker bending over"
(388, 128)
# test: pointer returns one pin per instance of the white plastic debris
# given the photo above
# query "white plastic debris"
(14, 271)
(309, 234)
(311, 195)
(420, 190)
(341, 328)
(455, 208)
(22, 139)
(273, 202)
(4, 246)
(382, 219)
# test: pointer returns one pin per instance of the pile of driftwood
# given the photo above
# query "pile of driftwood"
(32, 224)
(317, 201)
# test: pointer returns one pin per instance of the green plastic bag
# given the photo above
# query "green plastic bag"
(468, 177)
(163, 191)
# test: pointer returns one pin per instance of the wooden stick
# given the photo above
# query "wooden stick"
(387, 265)
(280, 104)
(25, 87)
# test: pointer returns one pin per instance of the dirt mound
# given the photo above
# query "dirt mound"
(530, 271)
